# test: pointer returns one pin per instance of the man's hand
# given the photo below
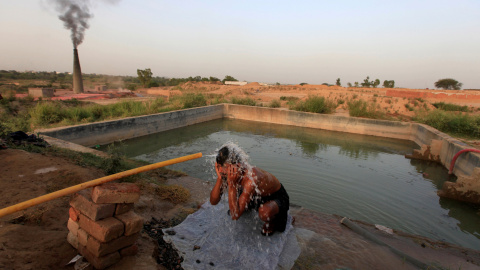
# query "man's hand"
(217, 170)
(232, 175)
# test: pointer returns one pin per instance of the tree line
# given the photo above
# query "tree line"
(146, 79)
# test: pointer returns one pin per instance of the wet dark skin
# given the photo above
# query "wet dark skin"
(236, 177)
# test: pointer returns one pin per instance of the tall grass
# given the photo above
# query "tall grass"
(314, 104)
(244, 101)
(192, 100)
(50, 113)
(274, 103)
(361, 108)
(450, 107)
(454, 123)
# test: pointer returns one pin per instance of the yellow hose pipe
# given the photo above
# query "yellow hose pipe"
(92, 183)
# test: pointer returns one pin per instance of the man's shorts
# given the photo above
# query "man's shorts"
(279, 222)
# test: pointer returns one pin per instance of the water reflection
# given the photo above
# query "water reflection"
(436, 174)
(433, 172)
(313, 140)
(310, 140)
(462, 213)
(310, 149)
(150, 143)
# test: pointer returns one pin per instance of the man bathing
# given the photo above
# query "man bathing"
(250, 188)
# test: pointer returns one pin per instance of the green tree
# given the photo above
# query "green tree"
(366, 82)
(214, 79)
(448, 84)
(338, 83)
(349, 84)
(389, 84)
(376, 83)
(229, 78)
(144, 76)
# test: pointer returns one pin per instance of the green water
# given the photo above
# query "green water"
(361, 177)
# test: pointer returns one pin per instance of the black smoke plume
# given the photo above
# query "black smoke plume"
(75, 15)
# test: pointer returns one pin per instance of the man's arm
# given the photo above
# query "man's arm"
(217, 191)
(238, 205)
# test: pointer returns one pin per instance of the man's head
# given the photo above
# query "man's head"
(227, 156)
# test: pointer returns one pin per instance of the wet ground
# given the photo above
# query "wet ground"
(328, 244)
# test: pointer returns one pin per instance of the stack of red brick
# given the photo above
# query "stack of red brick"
(102, 225)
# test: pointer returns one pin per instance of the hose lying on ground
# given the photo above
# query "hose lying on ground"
(354, 227)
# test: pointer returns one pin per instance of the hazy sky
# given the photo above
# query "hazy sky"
(414, 43)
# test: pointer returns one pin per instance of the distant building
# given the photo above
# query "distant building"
(235, 83)
(41, 92)
(99, 88)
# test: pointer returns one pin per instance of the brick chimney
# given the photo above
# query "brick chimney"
(77, 74)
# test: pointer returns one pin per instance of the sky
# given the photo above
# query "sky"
(414, 43)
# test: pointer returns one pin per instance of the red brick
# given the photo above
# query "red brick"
(82, 237)
(73, 226)
(133, 222)
(123, 208)
(72, 239)
(99, 249)
(100, 262)
(73, 213)
(129, 251)
(116, 193)
(103, 230)
(82, 201)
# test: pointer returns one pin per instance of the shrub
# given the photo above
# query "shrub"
(361, 108)
(274, 103)
(46, 113)
(450, 107)
(244, 101)
(451, 122)
(192, 100)
(290, 98)
(315, 104)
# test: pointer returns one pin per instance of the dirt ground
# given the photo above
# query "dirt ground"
(392, 105)
(35, 238)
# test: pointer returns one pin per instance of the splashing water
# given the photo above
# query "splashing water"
(235, 152)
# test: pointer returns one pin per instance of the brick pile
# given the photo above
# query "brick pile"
(102, 225)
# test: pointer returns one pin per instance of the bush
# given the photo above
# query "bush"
(451, 122)
(244, 101)
(290, 98)
(361, 108)
(46, 113)
(274, 103)
(315, 104)
(192, 100)
(450, 107)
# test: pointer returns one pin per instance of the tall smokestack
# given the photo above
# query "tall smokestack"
(77, 74)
